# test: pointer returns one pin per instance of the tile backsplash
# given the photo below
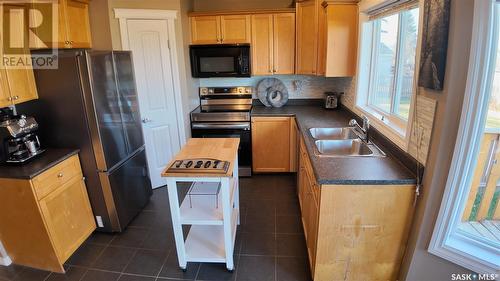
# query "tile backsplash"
(299, 86)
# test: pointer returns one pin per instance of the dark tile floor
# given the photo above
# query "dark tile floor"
(270, 243)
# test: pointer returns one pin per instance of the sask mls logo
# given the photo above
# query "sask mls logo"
(474, 276)
(28, 25)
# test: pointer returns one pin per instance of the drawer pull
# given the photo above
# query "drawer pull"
(60, 175)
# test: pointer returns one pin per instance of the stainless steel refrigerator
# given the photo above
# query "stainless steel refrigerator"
(90, 102)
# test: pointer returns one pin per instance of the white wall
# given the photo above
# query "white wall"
(419, 264)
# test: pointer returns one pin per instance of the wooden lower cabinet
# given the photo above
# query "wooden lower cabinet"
(273, 144)
(43, 232)
(354, 232)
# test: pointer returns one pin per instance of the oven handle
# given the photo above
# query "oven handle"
(228, 125)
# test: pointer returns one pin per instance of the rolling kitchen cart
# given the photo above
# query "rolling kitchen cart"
(211, 165)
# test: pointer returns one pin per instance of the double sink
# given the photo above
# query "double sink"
(342, 142)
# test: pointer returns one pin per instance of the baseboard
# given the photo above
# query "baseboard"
(6, 261)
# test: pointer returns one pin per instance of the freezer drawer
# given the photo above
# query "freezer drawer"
(130, 187)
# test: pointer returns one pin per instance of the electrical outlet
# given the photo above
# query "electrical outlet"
(99, 221)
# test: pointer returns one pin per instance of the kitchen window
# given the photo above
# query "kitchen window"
(467, 230)
(389, 42)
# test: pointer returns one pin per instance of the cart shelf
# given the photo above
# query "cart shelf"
(205, 243)
(203, 210)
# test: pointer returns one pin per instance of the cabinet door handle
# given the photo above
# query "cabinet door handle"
(16, 97)
(71, 42)
(60, 175)
(66, 42)
(9, 98)
(274, 70)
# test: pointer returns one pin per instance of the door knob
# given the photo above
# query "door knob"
(146, 120)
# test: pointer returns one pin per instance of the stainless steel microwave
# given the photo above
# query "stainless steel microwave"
(221, 60)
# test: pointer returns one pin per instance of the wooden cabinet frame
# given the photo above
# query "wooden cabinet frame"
(73, 25)
(273, 46)
(44, 230)
(220, 29)
(274, 144)
(353, 232)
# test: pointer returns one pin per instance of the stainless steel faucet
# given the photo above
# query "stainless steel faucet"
(362, 131)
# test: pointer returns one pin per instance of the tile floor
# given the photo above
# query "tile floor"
(270, 243)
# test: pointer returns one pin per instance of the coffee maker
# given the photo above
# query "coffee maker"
(18, 137)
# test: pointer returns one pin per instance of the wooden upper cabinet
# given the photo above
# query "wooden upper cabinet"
(341, 39)
(227, 29)
(42, 37)
(235, 29)
(5, 99)
(21, 84)
(284, 43)
(17, 83)
(205, 30)
(78, 24)
(271, 144)
(73, 26)
(262, 44)
(273, 44)
(321, 63)
(307, 38)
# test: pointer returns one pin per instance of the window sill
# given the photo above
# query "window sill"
(391, 130)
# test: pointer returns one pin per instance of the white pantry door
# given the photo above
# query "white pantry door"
(148, 41)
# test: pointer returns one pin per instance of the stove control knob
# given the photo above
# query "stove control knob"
(247, 91)
(240, 90)
(207, 164)
(210, 91)
(198, 164)
(216, 163)
(204, 91)
(189, 164)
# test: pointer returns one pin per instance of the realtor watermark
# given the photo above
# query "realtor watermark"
(475, 276)
(26, 26)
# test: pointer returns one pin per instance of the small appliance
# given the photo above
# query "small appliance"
(221, 60)
(332, 99)
(19, 140)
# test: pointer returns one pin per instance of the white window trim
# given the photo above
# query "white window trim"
(474, 253)
(392, 130)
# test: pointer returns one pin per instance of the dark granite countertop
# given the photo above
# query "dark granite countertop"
(340, 170)
(46, 160)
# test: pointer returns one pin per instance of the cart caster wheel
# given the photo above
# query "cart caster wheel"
(184, 269)
(230, 270)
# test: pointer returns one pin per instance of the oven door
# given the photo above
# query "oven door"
(220, 60)
(239, 130)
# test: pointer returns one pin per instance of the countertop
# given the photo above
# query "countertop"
(224, 149)
(44, 161)
(340, 170)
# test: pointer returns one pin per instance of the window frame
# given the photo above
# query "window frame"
(449, 242)
(397, 128)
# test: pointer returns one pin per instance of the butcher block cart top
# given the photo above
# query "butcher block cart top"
(211, 204)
